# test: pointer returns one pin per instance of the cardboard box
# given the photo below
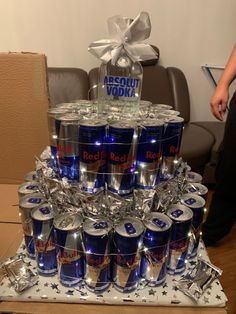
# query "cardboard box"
(23, 113)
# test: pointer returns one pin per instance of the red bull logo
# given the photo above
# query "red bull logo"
(93, 157)
(127, 261)
(152, 156)
(157, 256)
(64, 150)
(68, 256)
(174, 150)
(97, 261)
(44, 246)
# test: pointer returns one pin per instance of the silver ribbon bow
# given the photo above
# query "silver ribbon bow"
(125, 34)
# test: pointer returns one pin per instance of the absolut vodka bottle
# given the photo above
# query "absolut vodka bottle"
(120, 87)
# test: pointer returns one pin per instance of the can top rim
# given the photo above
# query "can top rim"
(135, 222)
(68, 221)
(187, 212)
(90, 228)
(148, 222)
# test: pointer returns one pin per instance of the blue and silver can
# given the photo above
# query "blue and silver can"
(149, 153)
(171, 146)
(69, 248)
(196, 203)
(121, 159)
(31, 176)
(194, 177)
(127, 245)
(28, 188)
(92, 149)
(68, 147)
(155, 248)
(44, 240)
(26, 205)
(181, 217)
(197, 188)
(96, 237)
(53, 114)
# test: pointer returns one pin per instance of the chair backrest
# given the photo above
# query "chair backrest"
(23, 113)
(67, 84)
(160, 86)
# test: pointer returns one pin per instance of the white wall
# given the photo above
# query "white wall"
(189, 33)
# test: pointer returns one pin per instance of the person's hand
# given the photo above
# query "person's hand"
(219, 101)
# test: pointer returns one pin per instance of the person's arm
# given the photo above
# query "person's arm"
(220, 97)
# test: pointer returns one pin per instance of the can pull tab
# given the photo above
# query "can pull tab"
(34, 200)
(176, 213)
(130, 228)
(190, 201)
(161, 224)
(100, 225)
(44, 210)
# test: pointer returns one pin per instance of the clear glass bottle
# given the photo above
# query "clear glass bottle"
(120, 86)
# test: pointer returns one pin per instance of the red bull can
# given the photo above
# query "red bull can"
(127, 245)
(196, 203)
(121, 159)
(149, 153)
(171, 146)
(96, 236)
(69, 248)
(53, 114)
(26, 204)
(194, 177)
(155, 248)
(43, 233)
(31, 176)
(28, 188)
(92, 148)
(181, 217)
(197, 188)
(68, 148)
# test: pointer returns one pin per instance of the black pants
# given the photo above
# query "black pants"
(222, 211)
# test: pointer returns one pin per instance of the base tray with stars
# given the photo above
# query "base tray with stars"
(49, 289)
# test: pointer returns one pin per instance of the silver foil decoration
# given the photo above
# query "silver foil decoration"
(20, 276)
(195, 282)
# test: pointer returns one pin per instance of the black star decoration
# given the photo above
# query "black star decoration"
(218, 297)
(70, 292)
(164, 292)
(83, 294)
(151, 292)
(217, 282)
(165, 285)
(175, 288)
(206, 300)
(209, 292)
(192, 263)
(54, 286)
(137, 295)
(46, 284)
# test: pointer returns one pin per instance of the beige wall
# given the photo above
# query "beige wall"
(189, 33)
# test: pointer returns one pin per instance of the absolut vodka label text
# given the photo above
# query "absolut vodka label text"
(123, 87)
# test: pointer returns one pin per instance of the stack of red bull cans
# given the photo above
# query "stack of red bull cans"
(119, 154)
(99, 252)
